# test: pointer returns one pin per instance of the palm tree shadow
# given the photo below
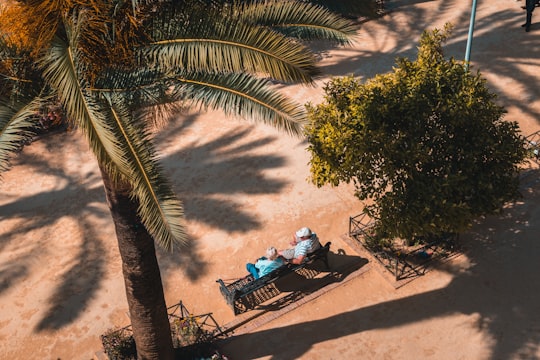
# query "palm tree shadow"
(11, 274)
(214, 175)
(187, 258)
(500, 47)
(78, 285)
(207, 177)
(35, 209)
(501, 287)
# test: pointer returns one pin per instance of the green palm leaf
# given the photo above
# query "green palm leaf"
(242, 95)
(230, 46)
(160, 210)
(143, 89)
(236, 94)
(17, 123)
(302, 20)
(62, 72)
(116, 143)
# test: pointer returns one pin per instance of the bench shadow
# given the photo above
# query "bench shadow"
(496, 291)
(312, 278)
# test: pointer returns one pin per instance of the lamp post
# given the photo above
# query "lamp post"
(470, 36)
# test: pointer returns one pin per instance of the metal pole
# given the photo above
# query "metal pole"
(469, 39)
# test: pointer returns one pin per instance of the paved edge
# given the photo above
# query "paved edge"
(262, 317)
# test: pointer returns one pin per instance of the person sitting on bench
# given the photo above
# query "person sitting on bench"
(304, 242)
(266, 264)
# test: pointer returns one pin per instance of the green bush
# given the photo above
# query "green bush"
(426, 143)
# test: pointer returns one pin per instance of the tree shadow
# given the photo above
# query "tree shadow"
(35, 209)
(499, 47)
(208, 172)
(10, 274)
(397, 37)
(501, 286)
(207, 176)
(77, 286)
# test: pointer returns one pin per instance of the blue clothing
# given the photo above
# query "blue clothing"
(263, 266)
(266, 266)
(252, 270)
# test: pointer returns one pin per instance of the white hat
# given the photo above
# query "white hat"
(303, 232)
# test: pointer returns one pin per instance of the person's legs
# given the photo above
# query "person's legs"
(287, 254)
(529, 6)
(528, 22)
(252, 270)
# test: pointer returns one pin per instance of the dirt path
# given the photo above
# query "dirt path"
(244, 187)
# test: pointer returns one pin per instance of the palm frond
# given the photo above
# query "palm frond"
(120, 80)
(161, 112)
(300, 19)
(117, 145)
(228, 45)
(242, 95)
(144, 89)
(62, 71)
(160, 210)
(17, 125)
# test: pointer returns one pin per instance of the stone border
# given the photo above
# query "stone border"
(261, 317)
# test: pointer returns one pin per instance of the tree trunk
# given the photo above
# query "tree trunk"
(142, 278)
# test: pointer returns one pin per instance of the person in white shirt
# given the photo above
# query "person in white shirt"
(304, 241)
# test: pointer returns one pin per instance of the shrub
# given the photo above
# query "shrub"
(119, 344)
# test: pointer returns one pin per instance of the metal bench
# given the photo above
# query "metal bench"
(246, 293)
(533, 147)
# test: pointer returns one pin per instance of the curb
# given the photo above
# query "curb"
(264, 316)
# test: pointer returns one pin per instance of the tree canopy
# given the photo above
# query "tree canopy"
(426, 144)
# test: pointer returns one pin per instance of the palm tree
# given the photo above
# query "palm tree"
(117, 68)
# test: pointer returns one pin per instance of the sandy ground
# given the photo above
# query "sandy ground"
(244, 187)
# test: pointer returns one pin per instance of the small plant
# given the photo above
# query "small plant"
(119, 344)
(192, 337)
(376, 241)
(186, 331)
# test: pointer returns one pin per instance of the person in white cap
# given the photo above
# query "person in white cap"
(304, 241)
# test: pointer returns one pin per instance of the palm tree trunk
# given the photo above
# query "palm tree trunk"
(142, 278)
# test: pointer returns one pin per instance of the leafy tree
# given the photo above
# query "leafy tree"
(425, 143)
(118, 67)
